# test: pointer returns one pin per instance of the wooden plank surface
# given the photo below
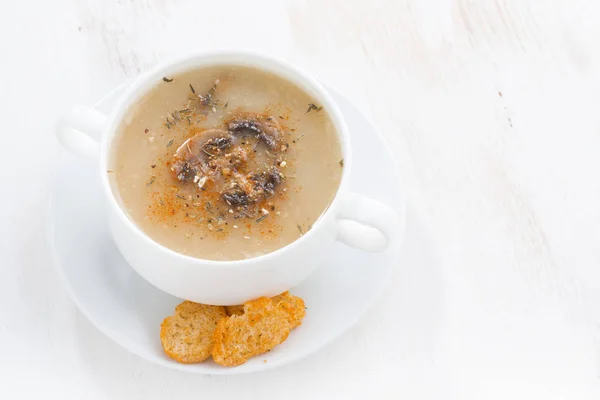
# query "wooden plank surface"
(492, 109)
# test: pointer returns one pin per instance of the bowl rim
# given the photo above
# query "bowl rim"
(250, 58)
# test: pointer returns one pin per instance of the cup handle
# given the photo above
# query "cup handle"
(367, 224)
(79, 131)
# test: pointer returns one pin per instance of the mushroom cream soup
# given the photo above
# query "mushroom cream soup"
(225, 163)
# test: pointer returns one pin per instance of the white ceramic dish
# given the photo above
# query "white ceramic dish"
(129, 310)
(353, 218)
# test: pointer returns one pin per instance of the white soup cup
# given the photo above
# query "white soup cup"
(353, 219)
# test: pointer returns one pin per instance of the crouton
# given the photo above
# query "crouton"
(293, 306)
(263, 326)
(187, 336)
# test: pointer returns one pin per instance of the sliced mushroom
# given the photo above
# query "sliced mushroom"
(266, 181)
(253, 190)
(235, 197)
(191, 158)
(222, 157)
(266, 128)
(272, 179)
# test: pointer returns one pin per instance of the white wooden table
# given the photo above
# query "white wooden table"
(493, 108)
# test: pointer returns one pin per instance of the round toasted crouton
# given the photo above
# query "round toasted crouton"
(187, 336)
(240, 337)
(293, 306)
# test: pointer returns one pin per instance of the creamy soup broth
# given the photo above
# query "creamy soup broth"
(226, 163)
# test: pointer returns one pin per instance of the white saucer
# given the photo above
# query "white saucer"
(129, 310)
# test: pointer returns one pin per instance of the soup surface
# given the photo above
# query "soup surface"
(226, 163)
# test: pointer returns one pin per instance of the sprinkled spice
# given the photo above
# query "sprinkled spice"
(151, 181)
(170, 143)
(167, 79)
